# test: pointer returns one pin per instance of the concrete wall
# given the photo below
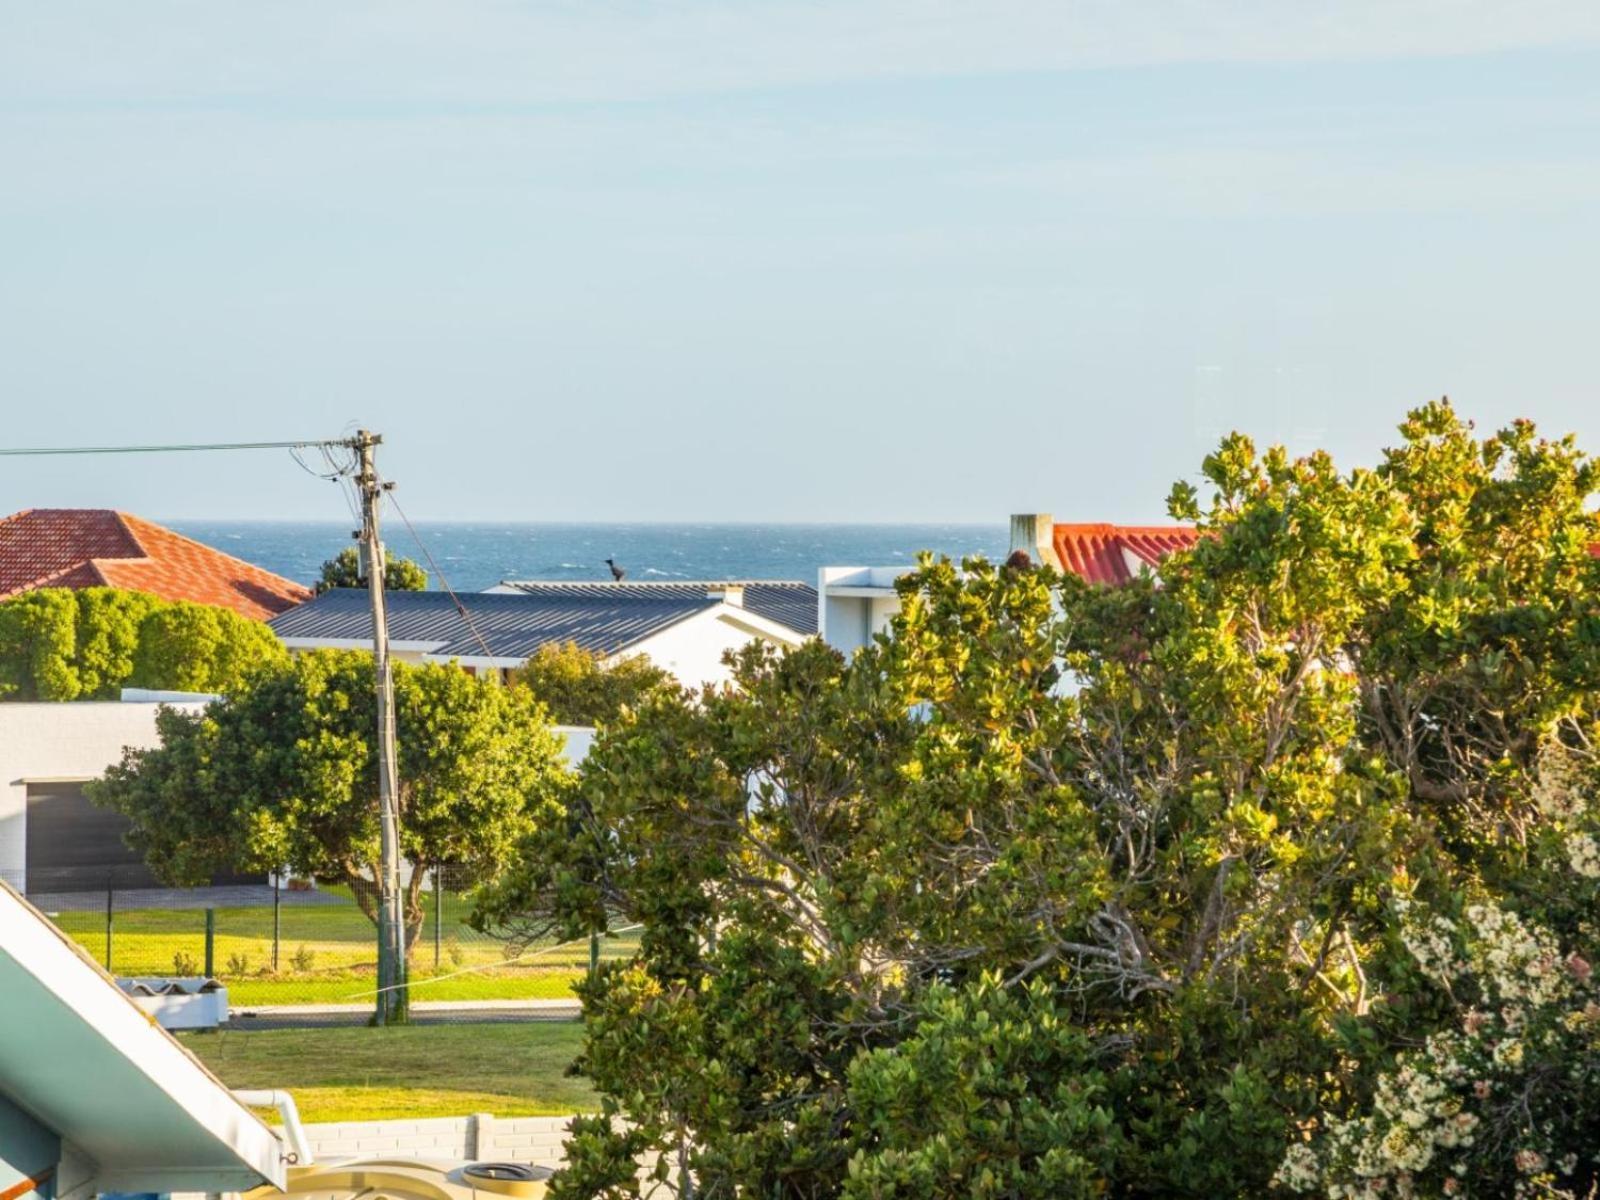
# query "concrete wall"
(535, 1140)
(61, 741)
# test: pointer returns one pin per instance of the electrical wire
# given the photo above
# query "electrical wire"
(416, 983)
(300, 445)
(443, 582)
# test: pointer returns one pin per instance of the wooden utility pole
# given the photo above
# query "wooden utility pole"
(393, 1005)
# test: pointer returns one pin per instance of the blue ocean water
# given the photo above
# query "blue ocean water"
(473, 556)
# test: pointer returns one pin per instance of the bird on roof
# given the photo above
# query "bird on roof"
(617, 573)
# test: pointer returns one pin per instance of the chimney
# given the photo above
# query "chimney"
(1035, 533)
(729, 593)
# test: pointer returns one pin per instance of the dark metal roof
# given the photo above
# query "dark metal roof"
(602, 619)
(788, 602)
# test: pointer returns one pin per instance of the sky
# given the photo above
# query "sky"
(792, 260)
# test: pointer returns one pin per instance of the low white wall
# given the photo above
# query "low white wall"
(535, 1140)
(60, 741)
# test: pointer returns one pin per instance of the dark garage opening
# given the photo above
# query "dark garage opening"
(74, 846)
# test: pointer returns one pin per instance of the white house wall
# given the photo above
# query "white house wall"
(692, 650)
(855, 604)
(64, 741)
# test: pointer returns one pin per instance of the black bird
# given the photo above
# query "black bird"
(617, 573)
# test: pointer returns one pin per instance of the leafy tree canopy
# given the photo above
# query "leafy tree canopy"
(283, 773)
(1062, 890)
(343, 570)
(579, 688)
(90, 643)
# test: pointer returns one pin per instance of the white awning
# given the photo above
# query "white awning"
(79, 1057)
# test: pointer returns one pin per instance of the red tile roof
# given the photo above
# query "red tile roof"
(98, 547)
(1114, 553)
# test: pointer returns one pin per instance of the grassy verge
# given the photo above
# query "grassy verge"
(362, 1074)
(325, 953)
(357, 988)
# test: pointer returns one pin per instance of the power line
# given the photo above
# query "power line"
(443, 582)
(305, 444)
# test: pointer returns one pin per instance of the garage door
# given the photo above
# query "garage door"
(73, 846)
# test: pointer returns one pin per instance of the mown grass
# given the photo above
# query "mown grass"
(361, 1074)
(347, 987)
(326, 953)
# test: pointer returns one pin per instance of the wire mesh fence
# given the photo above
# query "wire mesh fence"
(301, 946)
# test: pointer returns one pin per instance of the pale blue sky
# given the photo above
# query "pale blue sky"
(782, 259)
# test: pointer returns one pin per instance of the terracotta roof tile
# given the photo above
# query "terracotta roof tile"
(1116, 553)
(90, 547)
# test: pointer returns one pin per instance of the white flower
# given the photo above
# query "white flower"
(1583, 855)
(1508, 1053)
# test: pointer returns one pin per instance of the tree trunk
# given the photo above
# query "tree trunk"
(368, 899)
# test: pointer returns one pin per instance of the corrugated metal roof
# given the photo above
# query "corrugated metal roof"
(785, 601)
(1111, 553)
(513, 624)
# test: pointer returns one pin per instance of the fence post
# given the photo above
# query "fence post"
(594, 954)
(211, 943)
(277, 884)
(108, 926)
(438, 916)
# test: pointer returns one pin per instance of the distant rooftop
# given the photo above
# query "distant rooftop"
(1103, 553)
(604, 618)
(100, 547)
(787, 602)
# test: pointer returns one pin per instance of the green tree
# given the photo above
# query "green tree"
(202, 648)
(282, 772)
(343, 570)
(1502, 1097)
(38, 645)
(1061, 888)
(89, 643)
(109, 635)
(579, 687)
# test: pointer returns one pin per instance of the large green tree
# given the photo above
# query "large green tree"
(1061, 890)
(283, 773)
(343, 570)
(89, 643)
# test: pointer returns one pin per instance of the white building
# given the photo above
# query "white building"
(51, 838)
(684, 628)
(854, 604)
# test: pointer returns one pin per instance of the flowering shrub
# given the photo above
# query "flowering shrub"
(1500, 1103)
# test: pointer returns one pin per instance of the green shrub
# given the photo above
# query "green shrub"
(90, 643)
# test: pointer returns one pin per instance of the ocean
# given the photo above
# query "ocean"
(476, 555)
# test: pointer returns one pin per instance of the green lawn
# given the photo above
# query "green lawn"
(361, 1074)
(325, 953)
(346, 987)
